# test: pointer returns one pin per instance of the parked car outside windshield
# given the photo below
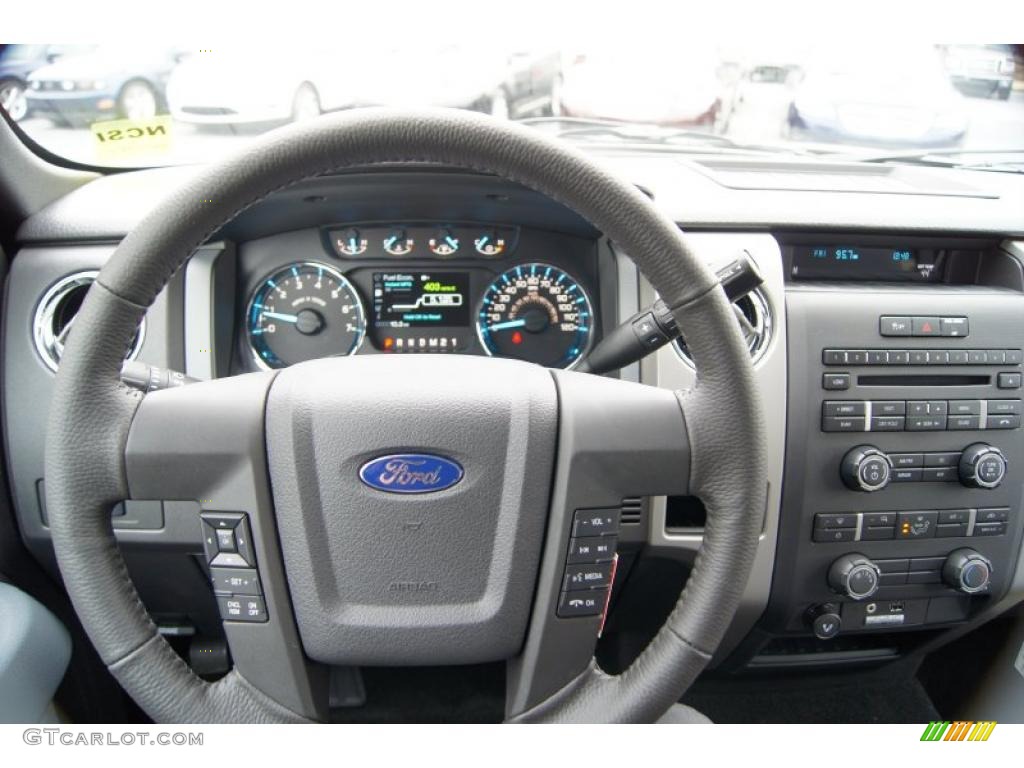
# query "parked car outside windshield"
(180, 104)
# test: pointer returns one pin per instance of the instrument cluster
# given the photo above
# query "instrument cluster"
(436, 288)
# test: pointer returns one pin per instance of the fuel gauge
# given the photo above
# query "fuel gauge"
(490, 244)
(398, 242)
(443, 243)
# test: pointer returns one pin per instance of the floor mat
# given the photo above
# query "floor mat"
(823, 699)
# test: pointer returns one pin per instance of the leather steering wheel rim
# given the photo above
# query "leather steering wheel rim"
(92, 411)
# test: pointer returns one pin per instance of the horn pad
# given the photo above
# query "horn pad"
(411, 495)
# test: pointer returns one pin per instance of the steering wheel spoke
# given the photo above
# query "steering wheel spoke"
(205, 443)
(616, 440)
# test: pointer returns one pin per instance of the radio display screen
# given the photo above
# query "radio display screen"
(415, 299)
(847, 262)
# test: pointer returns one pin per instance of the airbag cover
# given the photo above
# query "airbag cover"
(435, 577)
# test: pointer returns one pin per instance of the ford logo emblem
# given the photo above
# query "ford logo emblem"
(410, 473)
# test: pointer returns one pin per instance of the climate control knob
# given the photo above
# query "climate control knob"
(982, 466)
(855, 576)
(866, 468)
(967, 570)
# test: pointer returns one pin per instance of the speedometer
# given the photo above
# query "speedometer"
(302, 312)
(536, 312)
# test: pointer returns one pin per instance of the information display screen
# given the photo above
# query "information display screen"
(421, 299)
(846, 262)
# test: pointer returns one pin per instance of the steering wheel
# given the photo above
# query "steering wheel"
(350, 573)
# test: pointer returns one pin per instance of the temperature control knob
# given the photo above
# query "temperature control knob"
(982, 466)
(967, 570)
(855, 576)
(866, 468)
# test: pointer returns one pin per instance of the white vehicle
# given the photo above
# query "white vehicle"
(256, 87)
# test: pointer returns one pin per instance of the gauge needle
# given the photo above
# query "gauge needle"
(279, 316)
(507, 324)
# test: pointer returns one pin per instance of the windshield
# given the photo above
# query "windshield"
(131, 106)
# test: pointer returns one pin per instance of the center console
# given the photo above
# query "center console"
(901, 508)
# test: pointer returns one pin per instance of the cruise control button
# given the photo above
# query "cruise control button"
(587, 603)
(587, 576)
(249, 608)
(593, 549)
(237, 581)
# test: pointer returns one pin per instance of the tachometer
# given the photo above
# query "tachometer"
(536, 312)
(304, 311)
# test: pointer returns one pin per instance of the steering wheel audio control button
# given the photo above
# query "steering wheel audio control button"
(587, 576)
(592, 549)
(595, 522)
(584, 603)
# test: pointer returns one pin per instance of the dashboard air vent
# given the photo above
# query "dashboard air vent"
(55, 315)
(632, 510)
(755, 318)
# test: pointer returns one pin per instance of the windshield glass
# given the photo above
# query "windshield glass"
(134, 105)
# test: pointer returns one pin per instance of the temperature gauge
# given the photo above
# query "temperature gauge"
(490, 244)
(350, 242)
(398, 242)
(443, 243)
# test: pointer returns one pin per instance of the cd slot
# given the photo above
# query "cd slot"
(924, 380)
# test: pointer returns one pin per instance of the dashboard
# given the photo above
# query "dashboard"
(885, 337)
